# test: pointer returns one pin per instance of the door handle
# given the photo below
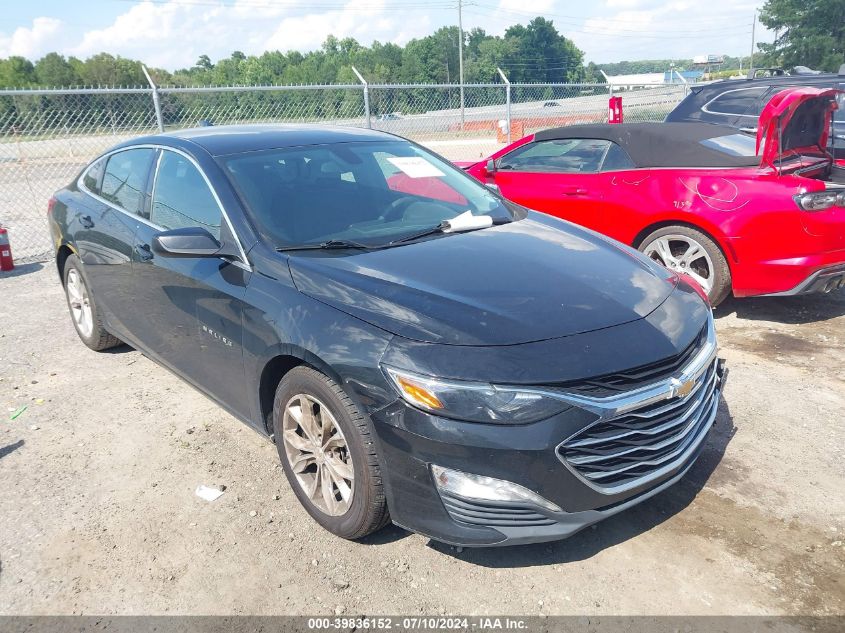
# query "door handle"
(86, 222)
(144, 252)
(573, 191)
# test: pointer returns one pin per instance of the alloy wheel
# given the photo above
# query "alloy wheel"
(684, 255)
(80, 304)
(318, 454)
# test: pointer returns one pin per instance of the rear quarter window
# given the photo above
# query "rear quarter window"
(737, 102)
(94, 176)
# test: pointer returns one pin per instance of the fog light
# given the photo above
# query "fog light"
(481, 488)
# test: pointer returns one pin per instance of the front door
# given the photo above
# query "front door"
(559, 177)
(189, 310)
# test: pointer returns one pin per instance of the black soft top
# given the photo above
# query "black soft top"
(659, 144)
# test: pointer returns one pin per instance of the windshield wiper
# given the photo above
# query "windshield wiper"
(446, 227)
(330, 244)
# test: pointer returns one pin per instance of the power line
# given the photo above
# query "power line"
(716, 19)
(298, 5)
(641, 35)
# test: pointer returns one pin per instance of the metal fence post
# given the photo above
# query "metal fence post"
(156, 100)
(366, 96)
(507, 100)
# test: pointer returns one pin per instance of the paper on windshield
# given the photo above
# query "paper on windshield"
(415, 167)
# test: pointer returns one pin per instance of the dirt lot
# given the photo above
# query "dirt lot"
(98, 512)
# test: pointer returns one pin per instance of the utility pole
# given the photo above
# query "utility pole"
(461, 56)
(753, 28)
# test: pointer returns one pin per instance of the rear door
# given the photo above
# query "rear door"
(104, 230)
(188, 311)
(559, 177)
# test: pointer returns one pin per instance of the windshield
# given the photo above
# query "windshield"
(370, 193)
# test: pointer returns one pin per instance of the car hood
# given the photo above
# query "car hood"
(793, 119)
(529, 280)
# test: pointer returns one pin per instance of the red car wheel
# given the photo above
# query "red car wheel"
(686, 250)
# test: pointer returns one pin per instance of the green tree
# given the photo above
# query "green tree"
(16, 72)
(808, 33)
(54, 70)
(106, 70)
(541, 54)
(204, 63)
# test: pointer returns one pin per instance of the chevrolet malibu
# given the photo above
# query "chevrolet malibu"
(456, 364)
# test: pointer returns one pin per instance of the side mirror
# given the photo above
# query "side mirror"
(490, 167)
(192, 241)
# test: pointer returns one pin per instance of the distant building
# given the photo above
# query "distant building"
(642, 80)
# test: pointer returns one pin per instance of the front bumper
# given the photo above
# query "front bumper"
(528, 455)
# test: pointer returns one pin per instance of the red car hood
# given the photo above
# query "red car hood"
(795, 119)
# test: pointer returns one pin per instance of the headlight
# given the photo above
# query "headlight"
(473, 401)
(819, 200)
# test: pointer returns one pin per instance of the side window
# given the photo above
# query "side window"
(126, 177)
(561, 156)
(742, 102)
(617, 159)
(93, 176)
(181, 197)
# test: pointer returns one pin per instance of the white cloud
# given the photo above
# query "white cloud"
(174, 34)
(537, 6)
(652, 29)
(33, 42)
(625, 4)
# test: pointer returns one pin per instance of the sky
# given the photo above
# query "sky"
(172, 34)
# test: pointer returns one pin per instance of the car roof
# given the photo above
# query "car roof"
(724, 85)
(236, 139)
(658, 144)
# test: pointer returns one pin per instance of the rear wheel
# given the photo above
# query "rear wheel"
(83, 309)
(687, 250)
(328, 455)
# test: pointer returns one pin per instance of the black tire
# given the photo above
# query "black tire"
(98, 338)
(721, 271)
(367, 512)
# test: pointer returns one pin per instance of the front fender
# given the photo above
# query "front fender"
(343, 347)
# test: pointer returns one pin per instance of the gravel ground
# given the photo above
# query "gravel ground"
(98, 512)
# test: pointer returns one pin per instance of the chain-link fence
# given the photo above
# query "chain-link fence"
(47, 136)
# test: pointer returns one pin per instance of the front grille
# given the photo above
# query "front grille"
(619, 382)
(490, 514)
(645, 442)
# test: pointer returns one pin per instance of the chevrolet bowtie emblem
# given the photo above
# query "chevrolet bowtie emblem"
(682, 388)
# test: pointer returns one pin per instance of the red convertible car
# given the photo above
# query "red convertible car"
(752, 216)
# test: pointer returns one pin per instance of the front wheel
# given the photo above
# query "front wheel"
(328, 454)
(687, 250)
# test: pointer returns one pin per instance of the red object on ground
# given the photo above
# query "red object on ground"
(6, 261)
(614, 110)
(770, 243)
